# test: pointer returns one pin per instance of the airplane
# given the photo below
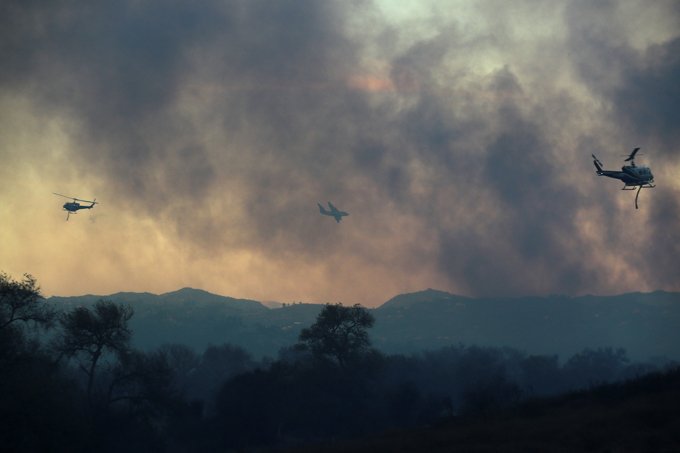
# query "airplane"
(73, 206)
(631, 175)
(332, 211)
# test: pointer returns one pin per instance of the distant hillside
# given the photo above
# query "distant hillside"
(645, 324)
(182, 297)
(639, 415)
(198, 318)
(421, 298)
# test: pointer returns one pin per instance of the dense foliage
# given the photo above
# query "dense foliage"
(85, 388)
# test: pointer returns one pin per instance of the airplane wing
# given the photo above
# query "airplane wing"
(333, 208)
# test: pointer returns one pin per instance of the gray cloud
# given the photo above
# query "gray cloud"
(641, 86)
(225, 123)
(640, 83)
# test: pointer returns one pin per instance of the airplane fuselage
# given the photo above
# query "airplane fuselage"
(332, 212)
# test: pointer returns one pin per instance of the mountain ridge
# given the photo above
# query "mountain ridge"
(182, 295)
(425, 295)
(645, 324)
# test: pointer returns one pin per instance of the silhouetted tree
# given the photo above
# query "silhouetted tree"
(493, 392)
(141, 380)
(40, 407)
(88, 334)
(541, 375)
(38, 404)
(595, 366)
(250, 407)
(21, 301)
(217, 364)
(183, 362)
(403, 403)
(339, 333)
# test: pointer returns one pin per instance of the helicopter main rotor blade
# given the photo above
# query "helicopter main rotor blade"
(76, 199)
(631, 156)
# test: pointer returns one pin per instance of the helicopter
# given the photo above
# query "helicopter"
(631, 175)
(73, 206)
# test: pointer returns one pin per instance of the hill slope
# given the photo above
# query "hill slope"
(643, 324)
(639, 415)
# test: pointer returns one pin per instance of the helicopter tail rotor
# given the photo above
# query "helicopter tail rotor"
(598, 164)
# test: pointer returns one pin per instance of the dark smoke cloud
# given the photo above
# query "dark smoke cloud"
(226, 121)
(642, 88)
(527, 244)
(640, 84)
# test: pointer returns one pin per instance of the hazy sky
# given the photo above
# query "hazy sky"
(458, 135)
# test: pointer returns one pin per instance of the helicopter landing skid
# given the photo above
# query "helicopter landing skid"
(639, 188)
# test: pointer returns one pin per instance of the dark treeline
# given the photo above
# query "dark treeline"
(84, 388)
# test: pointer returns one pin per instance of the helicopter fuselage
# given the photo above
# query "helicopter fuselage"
(630, 175)
(73, 206)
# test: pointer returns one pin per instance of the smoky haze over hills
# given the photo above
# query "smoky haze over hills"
(457, 134)
(644, 324)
